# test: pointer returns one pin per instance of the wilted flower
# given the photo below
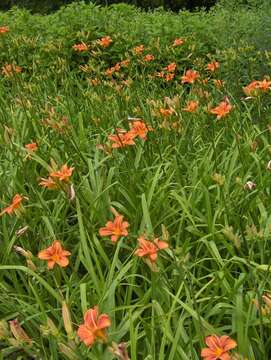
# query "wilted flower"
(119, 350)
(55, 254)
(218, 348)
(250, 185)
(94, 327)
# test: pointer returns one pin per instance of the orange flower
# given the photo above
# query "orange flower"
(213, 66)
(166, 112)
(169, 77)
(10, 69)
(125, 63)
(190, 76)
(264, 85)
(55, 254)
(115, 229)
(160, 74)
(218, 348)
(138, 49)
(191, 106)
(80, 47)
(48, 183)
(139, 128)
(221, 110)
(31, 147)
(4, 29)
(149, 249)
(251, 89)
(94, 327)
(63, 174)
(122, 139)
(171, 67)
(148, 57)
(218, 83)
(16, 203)
(105, 41)
(178, 42)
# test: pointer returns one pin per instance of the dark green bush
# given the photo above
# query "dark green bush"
(45, 6)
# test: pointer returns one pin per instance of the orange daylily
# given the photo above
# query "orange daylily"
(48, 183)
(221, 110)
(139, 128)
(178, 42)
(55, 254)
(94, 327)
(31, 147)
(190, 76)
(105, 41)
(218, 348)
(213, 66)
(122, 139)
(125, 63)
(80, 47)
(16, 203)
(218, 83)
(63, 174)
(150, 249)
(169, 77)
(191, 106)
(10, 69)
(148, 57)
(138, 49)
(115, 229)
(253, 88)
(264, 85)
(166, 112)
(171, 67)
(4, 29)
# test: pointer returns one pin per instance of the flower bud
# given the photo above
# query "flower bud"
(19, 333)
(66, 316)
(4, 329)
(68, 351)
(250, 185)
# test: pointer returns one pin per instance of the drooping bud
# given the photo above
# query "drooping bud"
(119, 350)
(19, 333)
(66, 316)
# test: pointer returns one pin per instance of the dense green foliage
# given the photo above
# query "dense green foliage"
(51, 5)
(187, 183)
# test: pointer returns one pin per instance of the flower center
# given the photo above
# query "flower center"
(218, 352)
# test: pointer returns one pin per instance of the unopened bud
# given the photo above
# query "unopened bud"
(31, 265)
(27, 254)
(267, 299)
(68, 351)
(21, 231)
(4, 329)
(219, 179)
(67, 319)
(18, 332)
(269, 165)
(228, 232)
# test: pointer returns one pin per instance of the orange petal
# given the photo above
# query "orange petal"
(90, 317)
(103, 321)
(85, 335)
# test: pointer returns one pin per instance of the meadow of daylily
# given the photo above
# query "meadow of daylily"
(135, 173)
